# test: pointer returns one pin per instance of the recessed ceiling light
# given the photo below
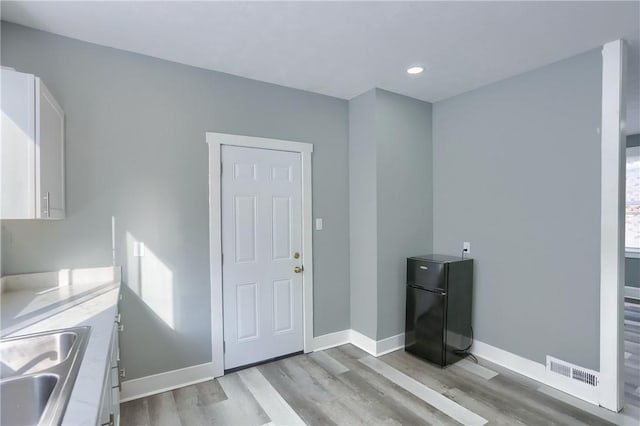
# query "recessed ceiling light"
(415, 70)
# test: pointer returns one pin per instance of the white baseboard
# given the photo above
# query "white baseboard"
(367, 344)
(534, 370)
(632, 292)
(526, 367)
(157, 383)
(389, 344)
(331, 340)
(531, 369)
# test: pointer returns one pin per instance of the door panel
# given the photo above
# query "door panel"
(244, 220)
(261, 231)
(425, 324)
(281, 174)
(282, 305)
(246, 172)
(247, 310)
(50, 136)
(281, 228)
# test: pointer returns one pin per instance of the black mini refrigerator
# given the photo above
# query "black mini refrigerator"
(439, 296)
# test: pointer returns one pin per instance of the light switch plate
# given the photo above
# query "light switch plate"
(319, 224)
(138, 249)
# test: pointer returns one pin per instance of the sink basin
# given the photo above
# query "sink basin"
(24, 399)
(37, 373)
(34, 353)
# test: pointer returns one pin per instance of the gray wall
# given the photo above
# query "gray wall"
(405, 199)
(631, 264)
(135, 149)
(517, 173)
(363, 235)
(391, 206)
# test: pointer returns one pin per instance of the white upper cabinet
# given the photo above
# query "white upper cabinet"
(31, 150)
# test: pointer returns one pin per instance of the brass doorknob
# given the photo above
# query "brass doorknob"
(298, 269)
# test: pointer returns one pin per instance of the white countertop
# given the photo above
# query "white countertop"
(33, 303)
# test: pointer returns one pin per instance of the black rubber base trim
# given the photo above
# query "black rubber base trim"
(278, 358)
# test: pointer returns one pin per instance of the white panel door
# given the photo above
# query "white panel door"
(261, 234)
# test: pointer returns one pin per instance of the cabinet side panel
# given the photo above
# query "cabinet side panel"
(17, 146)
(459, 309)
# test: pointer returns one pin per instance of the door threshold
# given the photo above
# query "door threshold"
(255, 364)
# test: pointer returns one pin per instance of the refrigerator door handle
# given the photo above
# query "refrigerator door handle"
(435, 291)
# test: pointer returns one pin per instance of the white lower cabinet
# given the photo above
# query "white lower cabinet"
(110, 402)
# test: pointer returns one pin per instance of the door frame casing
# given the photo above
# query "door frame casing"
(215, 142)
(612, 208)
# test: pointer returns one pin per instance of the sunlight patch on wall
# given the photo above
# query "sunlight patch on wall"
(150, 279)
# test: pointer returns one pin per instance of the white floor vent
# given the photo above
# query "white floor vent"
(572, 378)
(558, 367)
(584, 376)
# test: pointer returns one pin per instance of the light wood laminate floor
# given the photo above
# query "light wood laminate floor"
(345, 386)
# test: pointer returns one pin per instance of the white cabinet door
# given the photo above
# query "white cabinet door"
(31, 150)
(115, 375)
(262, 247)
(109, 414)
(17, 150)
(106, 403)
(50, 154)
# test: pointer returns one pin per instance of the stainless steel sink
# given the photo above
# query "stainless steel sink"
(24, 399)
(37, 375)
(35, 353)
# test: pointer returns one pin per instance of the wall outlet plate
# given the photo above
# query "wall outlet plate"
(466, 247)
